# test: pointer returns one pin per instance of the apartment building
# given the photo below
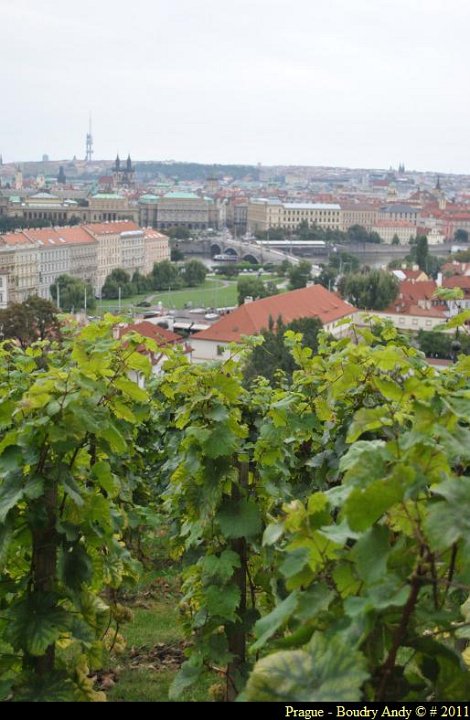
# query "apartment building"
(63, 250)
(358, 214)
(31, 260)
(398, 212)
(156, 249)
(19, 263)
(265, 213)
(3, 290)
(388, 229)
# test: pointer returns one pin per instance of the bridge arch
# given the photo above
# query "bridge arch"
(230, 251)
(215, 249)
(249, 257)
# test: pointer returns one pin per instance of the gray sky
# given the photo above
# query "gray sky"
(358, 83)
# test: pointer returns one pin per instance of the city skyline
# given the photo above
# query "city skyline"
(343, 85)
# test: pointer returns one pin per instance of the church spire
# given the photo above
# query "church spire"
(117, 165)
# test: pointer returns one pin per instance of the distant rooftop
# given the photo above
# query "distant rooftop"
(178, 195)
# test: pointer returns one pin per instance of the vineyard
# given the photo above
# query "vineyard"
(317, 528)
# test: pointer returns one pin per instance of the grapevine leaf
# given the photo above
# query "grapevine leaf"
(272, 533)
(446, 523)
(11, 458)
(239, 518)
(187, 676)
(222, 601)
(371, 554)
(364, 507)
(267, 626)
(10, 493)
(220, 567)
(367, 419)
(35, 623)
(327, 669)
(76, 567)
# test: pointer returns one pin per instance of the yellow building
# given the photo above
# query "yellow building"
(272, 213)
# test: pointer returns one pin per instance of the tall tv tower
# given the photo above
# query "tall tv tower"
(89, 143)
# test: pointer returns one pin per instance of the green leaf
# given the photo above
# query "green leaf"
(313, 601)
(76, 566)
(364, 461)
(73, 490)
(268, 625)
(447, 520)
(365, 507)
(239, 519)
(220, 567)
(222, 601)
(102, 473)
(220, 441)
(11, 458)
(187, 676)
(295, 561)
(35, 623)
(115, 438)
(324, 671)
(371, 553)
(367, 419)
(11, 492)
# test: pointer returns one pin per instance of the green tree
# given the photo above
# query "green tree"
(35, 319)
(373, 290)
(71, 295)
(176, 254)
(344, 262)
(178, 232)
(117, 280)
(461, 235)
(357, 234)
(421, 252)
(166, 275)
(273, 356)
(284, 267)
(141, 283)
(395, 240)
(327, 277)
(300, 275)
(253, 287)
(194, 273)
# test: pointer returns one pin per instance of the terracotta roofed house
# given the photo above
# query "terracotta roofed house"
(252, 317)
(163, 338)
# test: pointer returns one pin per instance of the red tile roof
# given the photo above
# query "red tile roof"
(15, 238)
(252, 317)
(108, 228)
(161, 335)
(413, 292)
(50, 237)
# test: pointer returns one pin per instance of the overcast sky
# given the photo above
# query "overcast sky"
(357, 83)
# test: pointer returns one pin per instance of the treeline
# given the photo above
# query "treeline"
(354, 234)
(196, 171)
(9, 224)
(164, 276)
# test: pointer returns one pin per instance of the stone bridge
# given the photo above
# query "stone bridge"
(241, 249)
